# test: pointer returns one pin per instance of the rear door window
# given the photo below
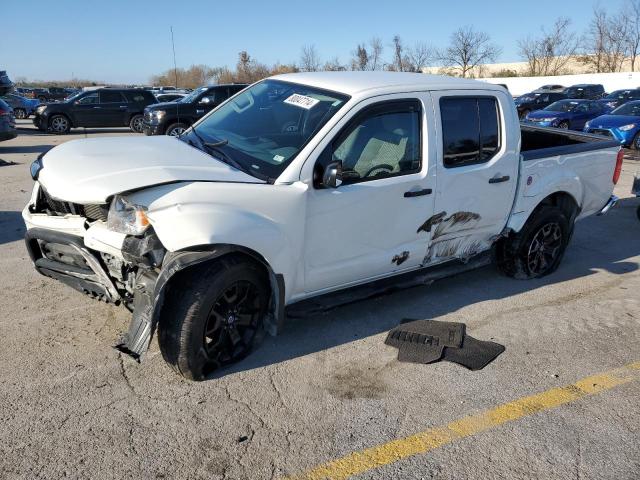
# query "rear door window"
(470, 130)
(108, 96)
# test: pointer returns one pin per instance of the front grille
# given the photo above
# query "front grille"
(53, 206)
(601, 131)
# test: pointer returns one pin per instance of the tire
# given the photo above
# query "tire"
(176, 129)
(205, 325)
(564, 125)
(59, 124)
(519, 256)
(20, 113)
(635, 143)
(136, 123)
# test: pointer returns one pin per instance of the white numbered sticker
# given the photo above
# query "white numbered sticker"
(302, 101)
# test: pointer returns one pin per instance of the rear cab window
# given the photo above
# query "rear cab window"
(470, 130)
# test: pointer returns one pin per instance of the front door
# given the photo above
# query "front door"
(477, 173)
(369, 227)
(85, 109)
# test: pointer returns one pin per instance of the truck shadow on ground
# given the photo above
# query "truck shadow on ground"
(599, 243)
(11, 227)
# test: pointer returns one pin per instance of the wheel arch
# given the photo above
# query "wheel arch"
(63, 114)
(561, 199)
(183, 261)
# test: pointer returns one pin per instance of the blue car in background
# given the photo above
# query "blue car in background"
(568, 114)
(623, 124)
(22, 107)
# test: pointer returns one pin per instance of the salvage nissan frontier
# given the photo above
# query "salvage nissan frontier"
(304, 186)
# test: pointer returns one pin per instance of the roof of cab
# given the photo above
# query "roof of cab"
(353, 83)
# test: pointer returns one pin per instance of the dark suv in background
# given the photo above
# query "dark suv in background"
(530, 102)
(175, 117)
(104, 107)
(7, 122)
(586, 91)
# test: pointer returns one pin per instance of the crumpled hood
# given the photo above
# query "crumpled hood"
(91, 170)
(613, 121)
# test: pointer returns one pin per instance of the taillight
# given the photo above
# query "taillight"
(4, 112)
(618, 169)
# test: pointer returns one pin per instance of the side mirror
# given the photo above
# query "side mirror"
(205, 100)
(332, 175)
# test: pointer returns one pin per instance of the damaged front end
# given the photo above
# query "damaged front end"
(72, 244)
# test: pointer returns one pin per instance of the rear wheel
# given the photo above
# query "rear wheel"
(136, 123)
(59, 124)
(537, 249)
(215, 318)
(176, 129)
(636, 142)
(564, 125)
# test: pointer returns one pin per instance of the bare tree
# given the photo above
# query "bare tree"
(360, 58)
(550, 53)
(606, 42)
(375, 53)
(632, 14)
(309, 59)
(418, 57)
(398, 54)
(468, 49)
(334, 65)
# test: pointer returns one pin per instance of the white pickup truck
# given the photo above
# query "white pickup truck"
(303, 186)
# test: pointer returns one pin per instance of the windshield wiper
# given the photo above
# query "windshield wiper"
(215, 147)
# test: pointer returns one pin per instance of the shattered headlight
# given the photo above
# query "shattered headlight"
(126, 217)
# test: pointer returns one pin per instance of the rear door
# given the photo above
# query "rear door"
(113, 109)
(476, 173)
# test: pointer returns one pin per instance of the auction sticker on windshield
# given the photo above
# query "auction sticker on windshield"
(302, 101)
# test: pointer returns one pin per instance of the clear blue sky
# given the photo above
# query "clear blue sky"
(129, 40)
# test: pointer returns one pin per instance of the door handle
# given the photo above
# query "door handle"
(417, 193)
(198, 112)
(97, 107)
(123, 107)
(499, 179)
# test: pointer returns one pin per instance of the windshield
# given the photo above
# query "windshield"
(192, 96)
(618, 94)
(563, 106)
(631, 108)
(265, 126)
(71, 98)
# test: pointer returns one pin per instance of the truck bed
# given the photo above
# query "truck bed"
(539, 142)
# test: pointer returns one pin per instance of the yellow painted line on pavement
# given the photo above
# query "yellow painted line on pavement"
(423, 442)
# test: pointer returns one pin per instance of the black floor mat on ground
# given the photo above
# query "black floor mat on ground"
(427, 341)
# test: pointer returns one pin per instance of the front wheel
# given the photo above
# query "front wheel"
(20, 113)
(59, 124)
(537, 249)
(215, 317)
(176, 129)
(564, 125)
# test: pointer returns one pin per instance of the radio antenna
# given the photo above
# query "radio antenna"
(175, 71)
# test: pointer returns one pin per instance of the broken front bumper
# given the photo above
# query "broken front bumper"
(64, 257)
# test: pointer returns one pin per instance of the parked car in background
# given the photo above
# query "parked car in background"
(6, 85)
(175, 117)
(551, 88)
(104, 107)
(586, 91)
(22, 107)
(301, 185)
(567, 114)
(622, 124)
(536, 101)
(619, 97)
(7, 122)
(170, 97)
